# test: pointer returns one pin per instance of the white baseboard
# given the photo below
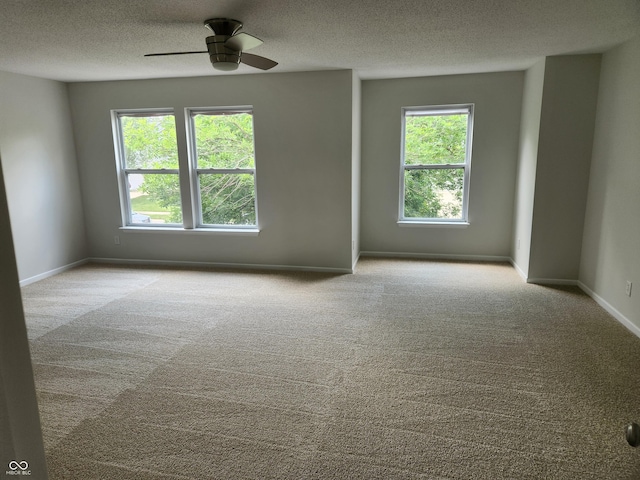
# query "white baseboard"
(552, 281)
(632, 327)
(438, 256)
(51, 273)
(243, 266)
(518, 269)
(542, 281)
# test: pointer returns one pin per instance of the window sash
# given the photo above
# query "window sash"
(238, 221)
(130, 210)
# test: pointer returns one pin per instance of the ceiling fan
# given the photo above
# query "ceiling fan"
(226, 47)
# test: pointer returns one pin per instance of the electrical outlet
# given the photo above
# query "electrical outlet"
(627, 289)
(518, 244)
(116, 240)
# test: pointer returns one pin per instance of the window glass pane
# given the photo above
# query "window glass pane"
(150, 142)
(154, 198)
(435, 139)
(227, 199)
(433, 193)
(224, 140)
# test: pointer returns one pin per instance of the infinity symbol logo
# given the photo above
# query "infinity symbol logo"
(13, 465)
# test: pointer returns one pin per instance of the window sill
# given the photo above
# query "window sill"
(251, 232)
(428, 223)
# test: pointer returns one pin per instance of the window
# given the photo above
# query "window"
(149, 170)
(214, 187)
(224, 166)
(436, 162)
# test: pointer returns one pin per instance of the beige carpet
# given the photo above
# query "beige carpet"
(405, 370)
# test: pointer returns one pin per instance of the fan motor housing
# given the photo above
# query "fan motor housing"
(222, 57)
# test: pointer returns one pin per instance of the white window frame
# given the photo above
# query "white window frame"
(466, 166)
(187, 174)
(123, 172)
(195, 172)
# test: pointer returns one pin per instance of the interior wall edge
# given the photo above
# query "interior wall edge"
(20, 427)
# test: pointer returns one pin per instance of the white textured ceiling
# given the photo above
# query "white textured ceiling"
(77, 40)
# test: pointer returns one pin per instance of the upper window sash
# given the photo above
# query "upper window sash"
(193, 142)
(119, 136)
(116, 121)
(436, 111)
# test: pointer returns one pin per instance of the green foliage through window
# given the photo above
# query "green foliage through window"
(433, 193)
(150, 141)
(435, 139)
(224, 141)
(227, 199)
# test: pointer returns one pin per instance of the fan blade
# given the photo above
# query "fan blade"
(242, 41)
(173, 53)
(257, 61)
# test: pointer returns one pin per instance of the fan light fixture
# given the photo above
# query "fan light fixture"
(225, 66)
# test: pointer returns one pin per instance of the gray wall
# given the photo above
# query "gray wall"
(497, 98)
(41, 175)
(20, 434)
(304, 152)
(565, 142)
(527, 160)
(610, 247)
